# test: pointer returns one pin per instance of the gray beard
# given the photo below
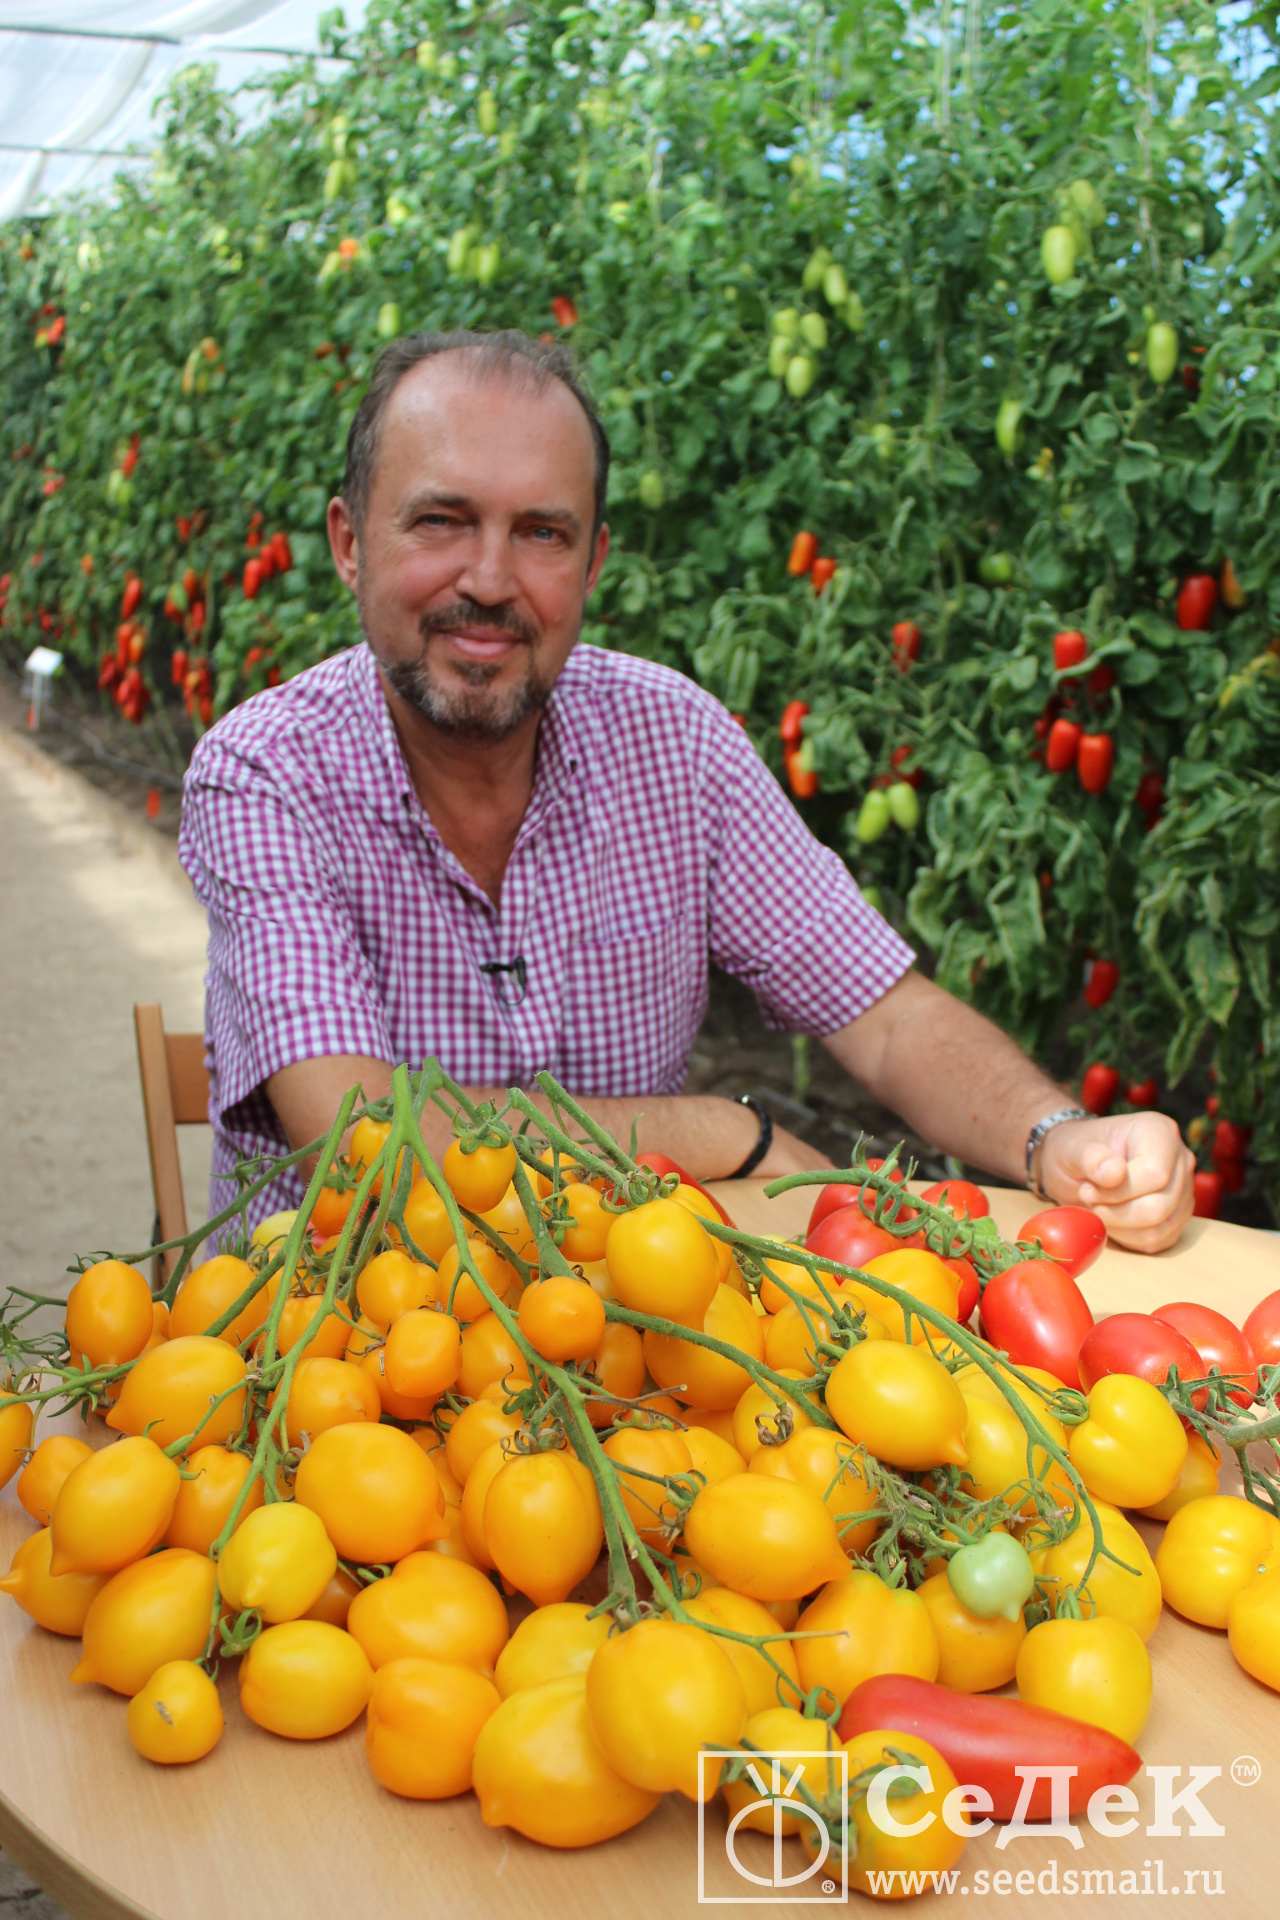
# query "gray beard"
(475, 711)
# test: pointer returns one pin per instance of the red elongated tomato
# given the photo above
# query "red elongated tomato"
(962, 1196)
(1073, 1236)
(1095, 760)
(1099, 1088)
(1037, 1314)
(1218, 1341)
(1138, 1344)
(1104, 977)
(970, 1288)
(847, 1236)
(1062, 745)
(1262, 1329)
(1197, 598)
(1208, 1190)
(1069, 649)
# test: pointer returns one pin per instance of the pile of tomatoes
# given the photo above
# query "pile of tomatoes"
(559, 1480)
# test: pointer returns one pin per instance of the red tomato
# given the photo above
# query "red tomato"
(983, 1738)
(1262, 1330)
(1150, 794)
(1217, 1340)
(821, 573)
(1069, 649)
(564, 310)
(131, 596)
(1208, 1189)
(252, 578)
(910, 775)
(790, 731)
(1231, 1142)
(1230, 1172)
(962, 1196)
(660, 1163)
(970, 1287)
(840, 1194)
(1104, 978)
(802, 780)
(1037, 1314)
(1135, 1343)
(1197, 598)
(1072, 1236)
(1101, 680)
(848, 1237)
(905, 641)
(1096, 758)
(1099, 1088)
(804, 551)
(1062, 745)
(1142, 1093)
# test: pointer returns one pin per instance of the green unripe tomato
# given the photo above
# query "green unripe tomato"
(786, 322)
(873, 897)
(1162, 352)
(335, 179)
(398, 210)
(507, 143)
(874, 817)
(992, 1579)
(1084, 198)
(801, 372)
(904, 805)
(651, 490)
(459, 247)
(779, 354)
(486, 265)
(447, 65)
(855, 314)
(1009, 427)
(426, 55)
(388, 320)
(835, 287)
(1058, 254)
(996, 569)
(882, 435)
(487, 112)
(815, 268)
(813, 330)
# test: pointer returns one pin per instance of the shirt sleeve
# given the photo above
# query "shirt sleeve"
(287, 979)
(784, 913)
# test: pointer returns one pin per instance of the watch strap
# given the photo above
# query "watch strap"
(1036, 1139)
(764, 1140)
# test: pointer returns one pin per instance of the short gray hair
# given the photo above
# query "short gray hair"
(499, 355)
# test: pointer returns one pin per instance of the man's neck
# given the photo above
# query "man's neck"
(475, 793)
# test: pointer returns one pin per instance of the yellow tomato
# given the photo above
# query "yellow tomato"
(423, 1354)
(975, 1384)
(16, 1424)
(278, 1561)
(539, 1768)
(109, 1317)
(401, 1406)
(479, 1179)
(549, 1643)
(704, 1209)
(1253, 1628)
(376, 1493)
(327, 1340)
(829, 1466)
(658, 1693)
(40, 1481)
(393, 1284)
(640, 1454)
(192, 1385)
(542, 1524)
(1095, 1670)
(918, 1272)
(476, 1428)
(157, 1610)
(777, 1729)
(272, 1231)
(1199, 1477)
(177, 1716)
(1132, 1596)
(425, 1717)
(426, 1221)
(58, 1603)
(488, 1355)
(305, 1680)
(773, 1297)
(1211, 1550)
(920, 1840)
(661, 1261)
(214, 1477)
(900, 1404)
(368, 1138)
(334, 1604)
(585, 1240)
(507, 1218)
(207, 1293)
(1132, 1448)
(997, 1444)
(769, 1538)
(113, 1508)
(762, 1684)
(617, 1366)
(974, 1655)
(432, 1607)
(696, 1375)
(713, 1457)
(791, 1336)
(762, 1404)
(328, 1393)
(562, 1318)
(458, 1293)
(866, 1628)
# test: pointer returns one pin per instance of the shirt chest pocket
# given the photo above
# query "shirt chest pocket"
(631, 1009)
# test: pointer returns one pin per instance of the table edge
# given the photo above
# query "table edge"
(74, 1886)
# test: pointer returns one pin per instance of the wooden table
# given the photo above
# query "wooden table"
(300, 1831)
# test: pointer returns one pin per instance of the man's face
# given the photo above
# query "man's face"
(475, 561)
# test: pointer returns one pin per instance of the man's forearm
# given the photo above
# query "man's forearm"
(954, 1078)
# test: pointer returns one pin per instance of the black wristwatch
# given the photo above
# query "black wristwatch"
(764, 1139)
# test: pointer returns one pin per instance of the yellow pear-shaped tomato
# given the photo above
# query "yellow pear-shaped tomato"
(40, 1481)
(305, 1680)
(758, 1669)
(1253, 1628)
(278, 1561)
(539, 1768)
(478, 1179)
(488, 1355)
(549, 1643)
(1131, 1449)
(639, 1453)
(1095, 1670)
(1212, 1549)
(713, 1457)
(865, 1628)
(177, 1716)
(1133, 1596)
(423, 1354)
(974, 1654)
(376, 1493)
(696, 1375)
(900, 1404)
(190, 1386)
(113, 1507)
(830, 1466)
(1197, 1480)
(435, 1607)
(209, 1291)
(923, 1275)
(399, 1405)
(425, 1717)
(542, 1524)
(799, 1279)
(393, 1284)
(16, 1424)
(56, 1602)
(617, 1366)
(921, 1841)
(474, 1494)
(507, 1218)
(704, 1208)
(476, 1428)
(760, 1404)
(791, 1336)
(998, 1466)
(658, 1694)
(328, 1393)
(562, 1318)
(456, 1291)
(585, 1241)
(976, 1384)
(661, 1261)
(109, 1317)
(213, 1477)
(769, 1538)
(159, 1609)
(426, 1220)
(776, 1729)
(334, 1604)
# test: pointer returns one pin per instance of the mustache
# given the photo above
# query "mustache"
(469, 613)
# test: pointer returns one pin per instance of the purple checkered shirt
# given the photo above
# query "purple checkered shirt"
(655, 840)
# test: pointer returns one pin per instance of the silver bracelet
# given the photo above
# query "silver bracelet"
(1036, 1138)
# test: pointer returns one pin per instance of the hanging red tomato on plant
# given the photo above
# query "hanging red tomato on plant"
(1062, 745)
(804, 551)
(1197, 598)
(1099, 1088)
(1095, 760)
(1070, 649)
(1101, 982)
(564, 310)
(790, 730)
(822, 573)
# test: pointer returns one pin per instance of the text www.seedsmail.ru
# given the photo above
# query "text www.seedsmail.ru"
(1091, 1881)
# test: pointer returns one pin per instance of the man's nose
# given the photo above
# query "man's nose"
(487, 574)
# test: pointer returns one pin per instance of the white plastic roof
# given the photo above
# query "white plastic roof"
(79, 80)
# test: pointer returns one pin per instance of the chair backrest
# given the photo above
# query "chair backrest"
(175, 1093)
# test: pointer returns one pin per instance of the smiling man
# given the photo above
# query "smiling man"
(472, 837)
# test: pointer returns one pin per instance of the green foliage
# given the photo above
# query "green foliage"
(984, 450)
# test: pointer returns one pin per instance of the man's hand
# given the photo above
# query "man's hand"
(1134, 1171)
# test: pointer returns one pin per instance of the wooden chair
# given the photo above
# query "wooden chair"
(175, 1093)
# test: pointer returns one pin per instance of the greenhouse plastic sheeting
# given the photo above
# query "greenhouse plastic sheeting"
(79, 82)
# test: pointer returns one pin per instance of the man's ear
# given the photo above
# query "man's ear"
(599, 554)
(343, 542)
